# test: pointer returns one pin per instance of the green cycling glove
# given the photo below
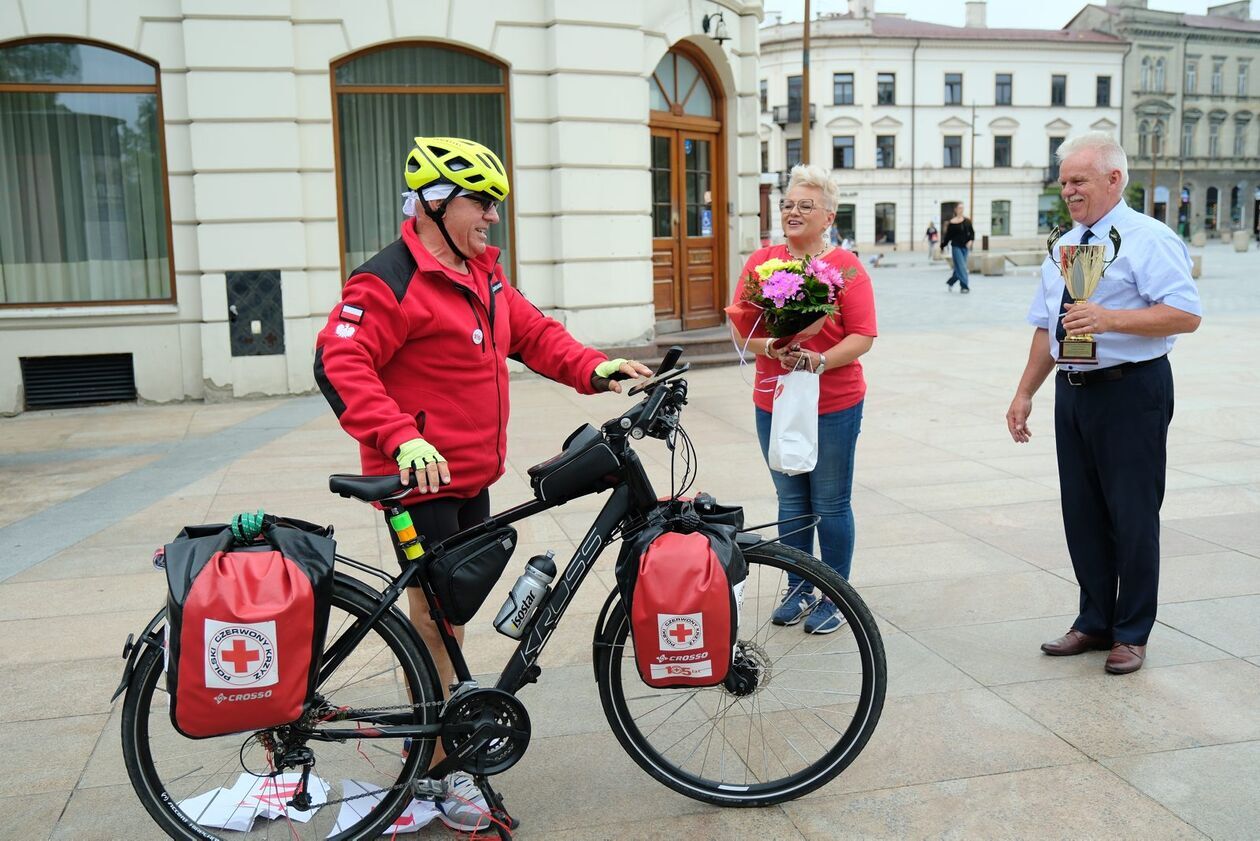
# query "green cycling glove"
(419, 452)
(609, 367)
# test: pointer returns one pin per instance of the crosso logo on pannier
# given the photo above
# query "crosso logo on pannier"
(240, 654)
(243, 696)
(681, 631)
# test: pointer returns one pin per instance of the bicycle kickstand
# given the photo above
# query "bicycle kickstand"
(503, 822)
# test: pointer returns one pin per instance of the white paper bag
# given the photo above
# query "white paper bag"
(794, 424)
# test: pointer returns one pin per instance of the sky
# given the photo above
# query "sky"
(1012, 14)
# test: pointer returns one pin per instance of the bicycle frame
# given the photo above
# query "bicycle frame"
(632, 495)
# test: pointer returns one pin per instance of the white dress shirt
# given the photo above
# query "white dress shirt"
(1152, 267)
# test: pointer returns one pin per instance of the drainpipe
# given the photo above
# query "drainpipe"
(914, 237)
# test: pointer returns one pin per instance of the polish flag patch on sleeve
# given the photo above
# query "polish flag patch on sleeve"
(351, 313)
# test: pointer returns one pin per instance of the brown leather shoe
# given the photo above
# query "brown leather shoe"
(1125, 658)
(1075, 642)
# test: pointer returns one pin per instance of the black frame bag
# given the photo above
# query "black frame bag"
(463, 574)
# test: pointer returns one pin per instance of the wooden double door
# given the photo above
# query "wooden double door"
(688, 223)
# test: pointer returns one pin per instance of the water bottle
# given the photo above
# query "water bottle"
(527, 593)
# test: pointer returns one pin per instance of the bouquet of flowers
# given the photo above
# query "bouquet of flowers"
(788, 299)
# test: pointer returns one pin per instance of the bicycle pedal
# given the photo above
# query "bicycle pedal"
(427, 788)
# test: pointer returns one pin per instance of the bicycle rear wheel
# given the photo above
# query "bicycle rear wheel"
(181, 781)
(816, 701)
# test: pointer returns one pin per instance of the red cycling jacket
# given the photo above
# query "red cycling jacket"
(418, 350)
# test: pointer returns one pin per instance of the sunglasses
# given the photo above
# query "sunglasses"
(487, 204)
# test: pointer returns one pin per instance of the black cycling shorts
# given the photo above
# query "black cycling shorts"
(438, 519)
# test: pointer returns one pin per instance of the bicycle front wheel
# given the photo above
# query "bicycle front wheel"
(205, 788)
(814, 702)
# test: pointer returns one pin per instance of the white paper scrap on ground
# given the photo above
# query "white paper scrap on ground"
(253, 797)
(418, 814)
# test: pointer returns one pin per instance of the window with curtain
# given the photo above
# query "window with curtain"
(1002, 89)
(385, 97)
(83, 215)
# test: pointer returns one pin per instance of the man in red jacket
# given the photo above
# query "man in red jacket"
(414, 362)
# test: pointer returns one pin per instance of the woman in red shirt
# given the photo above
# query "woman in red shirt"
(808, 210)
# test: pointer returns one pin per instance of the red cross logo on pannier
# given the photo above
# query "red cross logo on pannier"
(240, 655)
(681, 633)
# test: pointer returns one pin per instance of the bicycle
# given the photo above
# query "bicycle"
(793, 713)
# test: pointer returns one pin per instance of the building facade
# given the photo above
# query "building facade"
(184, 184)
(892, 102)
(1191, 111)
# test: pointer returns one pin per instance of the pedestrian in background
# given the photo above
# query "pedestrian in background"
(958, 235)
(932, 236)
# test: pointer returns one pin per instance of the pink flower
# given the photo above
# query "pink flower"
(781, 286)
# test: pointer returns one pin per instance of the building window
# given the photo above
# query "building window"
(1146, 74)
(1187, 140)
(1210, 208)
(1214, 140)
(1240, 138)
(1000, 223)
(1192, 76)
(1144, 137)
(1002, 150)
(1053, 171)
(763, 95)
(1218, 72)
(83, 205)
(1102, 93)
(842, 89)
(1157, 137)
(886, 89)
(1243, 84)
(1058, 90)
(885, 151)
(1002, 89)
(885, 223)
(953, 89)
(794, 99)
(953, 151)
(842, 152)
(383, 94)
(765, 156)
(1159, 74)
(846, 220)
(793, 152)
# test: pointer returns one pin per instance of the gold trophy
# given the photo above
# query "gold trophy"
(1082, 266)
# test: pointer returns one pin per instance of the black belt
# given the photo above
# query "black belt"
(1106, 375)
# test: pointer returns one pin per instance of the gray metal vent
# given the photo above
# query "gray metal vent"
(56, 382)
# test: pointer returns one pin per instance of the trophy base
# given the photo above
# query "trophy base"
(1074, 351)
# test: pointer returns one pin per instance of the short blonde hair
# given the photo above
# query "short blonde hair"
(1110, 153)
(812, 175)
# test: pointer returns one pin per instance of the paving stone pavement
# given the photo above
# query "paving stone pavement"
(960, 555)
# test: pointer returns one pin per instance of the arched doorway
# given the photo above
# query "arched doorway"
(688, 192)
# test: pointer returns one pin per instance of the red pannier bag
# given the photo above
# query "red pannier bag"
(245, 625)
(681, 580)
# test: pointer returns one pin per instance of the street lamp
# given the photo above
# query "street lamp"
(714, 26)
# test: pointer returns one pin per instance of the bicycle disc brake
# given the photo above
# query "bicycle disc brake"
(486, 730)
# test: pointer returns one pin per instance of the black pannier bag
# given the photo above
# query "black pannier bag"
(681, 583)
(464, 573)
(245, 625)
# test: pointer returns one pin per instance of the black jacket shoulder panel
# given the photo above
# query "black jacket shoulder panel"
(392, 264)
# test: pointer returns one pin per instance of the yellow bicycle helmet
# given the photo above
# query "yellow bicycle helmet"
(453, 160)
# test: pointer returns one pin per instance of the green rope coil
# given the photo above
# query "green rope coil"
(247, 525)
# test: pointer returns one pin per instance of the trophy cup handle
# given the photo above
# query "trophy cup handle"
(1114, 236)
(1055, 233)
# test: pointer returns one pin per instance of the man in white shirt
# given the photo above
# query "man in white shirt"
(1111, 418)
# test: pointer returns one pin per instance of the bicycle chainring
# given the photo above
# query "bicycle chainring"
(494, 721)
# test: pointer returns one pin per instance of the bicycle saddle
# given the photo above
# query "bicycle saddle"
(365, 488)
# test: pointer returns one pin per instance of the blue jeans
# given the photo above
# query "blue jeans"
(959, 255)
(826, 490)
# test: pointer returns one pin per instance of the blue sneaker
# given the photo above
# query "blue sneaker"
(826, 618)
(797, 601)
